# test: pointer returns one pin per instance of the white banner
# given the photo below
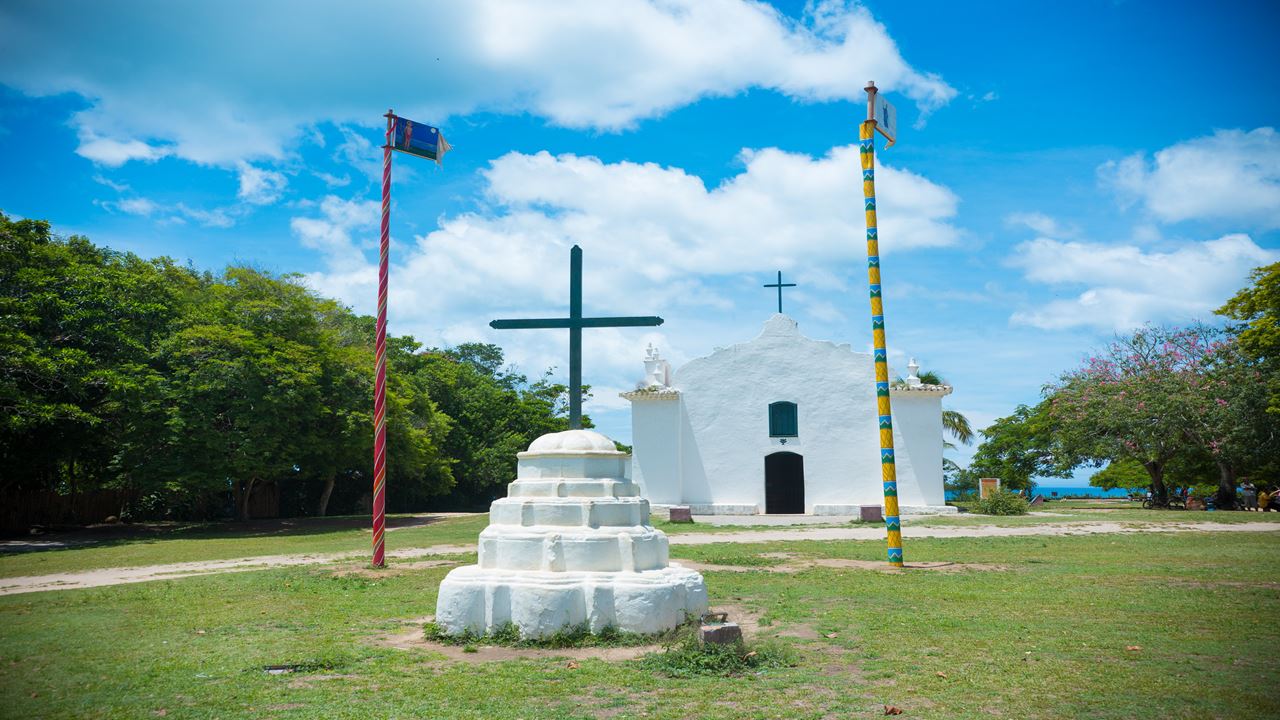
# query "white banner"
(886, 118)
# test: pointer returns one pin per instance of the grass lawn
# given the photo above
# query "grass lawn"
(223, 541)
(163, 544)
(1044, 637)
(1066, 511)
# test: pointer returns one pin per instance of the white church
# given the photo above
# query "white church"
(782, 424)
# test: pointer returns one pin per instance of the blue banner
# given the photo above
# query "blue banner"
(419, 139)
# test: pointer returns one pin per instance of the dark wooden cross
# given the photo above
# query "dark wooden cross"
(780, 285)
(575, 322)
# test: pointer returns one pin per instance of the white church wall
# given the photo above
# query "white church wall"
(917, 438)
(703, 439)
(656, 423)
(727, 397)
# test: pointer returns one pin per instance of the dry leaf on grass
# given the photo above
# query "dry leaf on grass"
(573, 665)
(940, 674)
(892, 710)
(832, 635)
(1133, 647)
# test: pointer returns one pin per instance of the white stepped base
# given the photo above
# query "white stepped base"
(540, 603)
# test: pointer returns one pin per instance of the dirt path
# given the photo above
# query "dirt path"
(956, 531)
(119, 576)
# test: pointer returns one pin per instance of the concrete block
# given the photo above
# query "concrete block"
(870, 513)
(681, 514)
(721, 634)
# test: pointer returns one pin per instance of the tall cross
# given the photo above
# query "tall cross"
(780, 285)
(575, 322)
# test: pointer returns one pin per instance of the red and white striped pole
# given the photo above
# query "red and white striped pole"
(380, 361)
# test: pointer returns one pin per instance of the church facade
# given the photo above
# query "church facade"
(782, 424)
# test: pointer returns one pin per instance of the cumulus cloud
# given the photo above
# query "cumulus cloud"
(1230, 175)
(1038, 222)
(259, 186)
(219, 83)
(178, 213)
(1125, 286)
(656, 238)
(662, 227)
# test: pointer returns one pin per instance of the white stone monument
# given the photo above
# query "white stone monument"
(570, 545)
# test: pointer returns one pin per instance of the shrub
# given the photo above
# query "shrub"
(686, 657)
(1002, 502)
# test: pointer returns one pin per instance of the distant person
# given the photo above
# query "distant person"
(1267, 499)
(1250, 495)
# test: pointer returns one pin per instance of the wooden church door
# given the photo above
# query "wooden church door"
(784, 484)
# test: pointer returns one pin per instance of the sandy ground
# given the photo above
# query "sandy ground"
(118, 576)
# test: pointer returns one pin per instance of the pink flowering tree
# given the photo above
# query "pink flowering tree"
(1225, 409)
(1126, 402)
(1163, 393)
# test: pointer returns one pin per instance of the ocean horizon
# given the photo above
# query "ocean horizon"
(1063, 491)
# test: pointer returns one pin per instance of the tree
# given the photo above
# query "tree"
(497, 412)
(78, 326)
(1222, 411)
(1125, 473)
(1129, 402)
(1017, 449)
(1258, 307)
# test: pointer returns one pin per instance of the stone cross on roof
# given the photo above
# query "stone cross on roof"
(575, 322)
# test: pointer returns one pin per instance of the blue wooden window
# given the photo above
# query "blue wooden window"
(783, 420)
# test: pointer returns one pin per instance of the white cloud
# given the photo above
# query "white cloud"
(117, 186)
(657, 240)
(114, 153)
(1126, 287)
(218, 83)
(171, 214)
(333, 181)
(662, 228)
(331, 232)
(137, 206)
(1231, 175)
(1038, 222)
(259, 186)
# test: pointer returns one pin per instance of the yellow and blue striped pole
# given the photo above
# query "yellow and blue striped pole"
(888, 470)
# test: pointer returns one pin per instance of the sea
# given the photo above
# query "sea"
(1070, 492)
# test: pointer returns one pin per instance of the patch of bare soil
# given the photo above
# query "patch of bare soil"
(413, 637)
(886, 567)
(363, 569)
(306, 681)
(800, 564)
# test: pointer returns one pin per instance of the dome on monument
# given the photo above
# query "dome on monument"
(573, 441)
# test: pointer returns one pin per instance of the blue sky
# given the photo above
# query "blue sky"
(1063, 173)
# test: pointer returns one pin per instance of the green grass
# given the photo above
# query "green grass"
(224, 541)
(1044, 638)
(1083, 511)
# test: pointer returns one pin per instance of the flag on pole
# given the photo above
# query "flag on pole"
(419, 139)
(886, 117)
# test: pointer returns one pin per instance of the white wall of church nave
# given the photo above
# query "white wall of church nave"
(725, 436)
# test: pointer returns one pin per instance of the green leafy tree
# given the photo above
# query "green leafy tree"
(1223, 413)
(1258, 307)
(77, 325)
(1017, 449)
